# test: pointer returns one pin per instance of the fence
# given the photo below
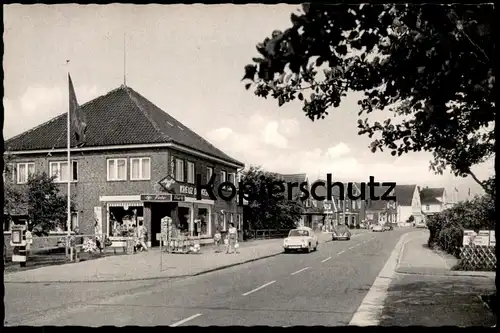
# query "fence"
(478, 258)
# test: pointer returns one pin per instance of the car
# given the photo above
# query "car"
(388, 227)
(420, 224)
(341, 232)
(377, 228)
(301, 239)
(363, 225)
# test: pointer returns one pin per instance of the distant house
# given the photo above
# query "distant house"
(381, 211)
(408, 203)
(433, 200)
(307, 209)
(335, 210)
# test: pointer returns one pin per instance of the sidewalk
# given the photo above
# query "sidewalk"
(148, 265)
(417, 258)
(427, 293)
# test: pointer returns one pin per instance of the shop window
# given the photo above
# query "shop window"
(210, 172)
(123, 220)
(24, 171)
(190, 172)
(204, 217)
(179, 170)
(117, 169)
(184, 219)
(140, 168)
(59, 170)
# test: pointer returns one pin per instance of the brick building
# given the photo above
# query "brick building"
(131, 145)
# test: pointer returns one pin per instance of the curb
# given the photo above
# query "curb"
(484, 275)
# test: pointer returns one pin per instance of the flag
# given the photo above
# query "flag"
(77, 117)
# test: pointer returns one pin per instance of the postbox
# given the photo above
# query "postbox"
(18, 242)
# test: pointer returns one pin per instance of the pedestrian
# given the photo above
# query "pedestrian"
(142, 233)
(232, 238)
(217, 239)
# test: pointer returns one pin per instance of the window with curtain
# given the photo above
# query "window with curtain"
(117, 169)
(140, 168)
(190, 172)
(179, 170)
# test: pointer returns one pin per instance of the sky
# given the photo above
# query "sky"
(189, 61)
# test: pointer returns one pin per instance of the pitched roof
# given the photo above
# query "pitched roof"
(294, 178)
(374, 205)
(120, 117)
(428, 196)
(404, 194)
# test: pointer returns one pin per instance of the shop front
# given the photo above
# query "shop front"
(190, 217)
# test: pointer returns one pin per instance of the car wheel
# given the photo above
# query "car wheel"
(287, 251)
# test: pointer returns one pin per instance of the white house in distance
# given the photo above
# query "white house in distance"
(433, 200)
(408, 199)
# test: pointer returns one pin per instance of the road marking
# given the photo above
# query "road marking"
(180, 322)
(259, 288)
(341, 252)
(370, 310)
(326, 259)
(300, 270)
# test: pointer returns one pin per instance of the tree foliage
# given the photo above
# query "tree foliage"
(446, 228)
(13, 196)
(267, 211)
(428, 67)
(47, 208)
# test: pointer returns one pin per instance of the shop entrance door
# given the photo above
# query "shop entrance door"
(159, 211)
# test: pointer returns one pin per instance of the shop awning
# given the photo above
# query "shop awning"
(125, 203)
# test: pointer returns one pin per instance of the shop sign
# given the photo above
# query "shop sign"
(162, 197)
(493, 240)
(191, 191)
(468, 238)
(482, 238)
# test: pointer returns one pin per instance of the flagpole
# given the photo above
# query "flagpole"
(68, 136)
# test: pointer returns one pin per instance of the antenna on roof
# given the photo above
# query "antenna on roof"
(124, 60)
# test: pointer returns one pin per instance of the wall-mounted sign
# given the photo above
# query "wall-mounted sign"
(191, 191)
(162, 197)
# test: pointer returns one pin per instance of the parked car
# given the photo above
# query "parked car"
(388, 227)
(341, 232)
(363, 225)
(301, 239)
(420, 224)
(378, 228)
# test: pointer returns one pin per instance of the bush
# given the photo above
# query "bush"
(446, 228)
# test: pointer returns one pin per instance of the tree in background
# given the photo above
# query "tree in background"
(47, 208)
(266, 211)
(428, 67)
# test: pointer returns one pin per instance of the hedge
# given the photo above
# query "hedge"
(446, 228)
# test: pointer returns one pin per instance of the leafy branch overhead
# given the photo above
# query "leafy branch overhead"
(428, 67)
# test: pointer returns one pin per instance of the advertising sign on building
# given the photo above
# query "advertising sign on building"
(98, 220)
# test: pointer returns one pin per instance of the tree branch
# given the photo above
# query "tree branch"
(485, 188)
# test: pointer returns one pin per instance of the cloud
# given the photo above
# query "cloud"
(39, 104)
(220, 134)
(338, 150)
(289, 127)
(273, 137)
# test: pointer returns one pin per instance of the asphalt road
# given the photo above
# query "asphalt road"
(320, 288)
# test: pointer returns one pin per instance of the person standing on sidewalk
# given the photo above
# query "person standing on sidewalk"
(217, 239)
(142, 232)
(233, 236)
